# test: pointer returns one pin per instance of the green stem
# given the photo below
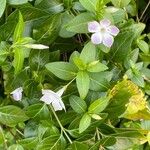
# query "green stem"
(70, 82)
(145, 10)
(62, 128)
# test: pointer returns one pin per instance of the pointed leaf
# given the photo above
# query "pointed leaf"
(3, 5)
(98, 105)
(89, 4)
(83, 82)
(79, 24)
(19, 29)
(62, 70)
(96, 67)
(84, 122)
(79, 146)
(78, 105)
(88, 53)
(11, 115)
(18, 59)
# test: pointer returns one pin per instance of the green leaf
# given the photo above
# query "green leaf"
(38, 59)
(38, 111)
(11, 115)
(79, 146)
(16, 2)
(138, 79)
(84, 122)
(77, 104)
(100, 81)
(143, 46)
(120, 3)
(51, 6)
(68, 3)
(62, 70)
(48, 30)
(79, 63)
(16, 147)
(28, 143)
(18, 59)
(122, 45)
(3, 5)
(88, 53)
(19, 29)
(82, 81)
(108, 141)
(3, 51)
(52, 142)
(89, 4)
(125, 97)
(7, 29)
(63, 32)
(2, 136)
(98, 105)
(96, 67)
(79, 24)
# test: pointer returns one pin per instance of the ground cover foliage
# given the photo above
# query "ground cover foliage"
(74, 75)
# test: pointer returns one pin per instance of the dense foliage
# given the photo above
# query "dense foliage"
(74, 75)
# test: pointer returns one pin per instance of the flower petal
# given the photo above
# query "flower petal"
(47, 99)
(20, 89)
(48, 92)
(113, 30)
(61, 91)
(56, 105)
(96, 38)
(17, 96)
(62, 104)
(36, 46)
(105, 23)
(93, 26)
(108, 40)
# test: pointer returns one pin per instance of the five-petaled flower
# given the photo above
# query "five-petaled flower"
(103, 32)
(17, 94)
(54, 98)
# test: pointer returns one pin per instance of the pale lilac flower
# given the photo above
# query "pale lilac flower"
(103, 32)
(17, 94)
(50, 97)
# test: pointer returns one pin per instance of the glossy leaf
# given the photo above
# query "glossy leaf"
(79, 23)
(19, 29)
(3, 5)
(52, 142)
(88, 53)
(18, 59)
(38, 111)
(84, 122)
(98, 105)
(16, 2)
(11, 115)
(77, 104)
(78, 146)
(82, 81)
(89, 4)
(62, 70)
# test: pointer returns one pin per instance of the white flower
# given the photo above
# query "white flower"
(103, 32)
(50, 97)
(17, 94)
(36, 46)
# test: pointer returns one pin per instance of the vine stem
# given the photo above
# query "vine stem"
(144, 10)
(61, 126)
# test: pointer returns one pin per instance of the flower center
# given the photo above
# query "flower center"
(102, 30)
